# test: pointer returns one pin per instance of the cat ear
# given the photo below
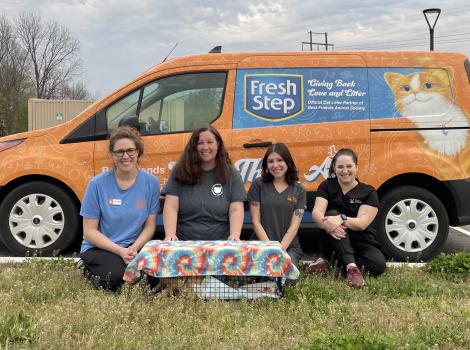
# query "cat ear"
(392, 79)
(440, 74)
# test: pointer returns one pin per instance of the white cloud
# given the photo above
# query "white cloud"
(121, 38)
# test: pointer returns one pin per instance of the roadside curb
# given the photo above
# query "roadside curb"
(15, 260)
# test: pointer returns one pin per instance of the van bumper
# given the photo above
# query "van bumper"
(460, 190)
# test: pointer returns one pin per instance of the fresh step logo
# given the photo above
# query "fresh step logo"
(274, 97)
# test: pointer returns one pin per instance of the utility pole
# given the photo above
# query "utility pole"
(311, 43)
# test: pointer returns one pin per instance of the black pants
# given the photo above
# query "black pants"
(359, 247)
(105, 267)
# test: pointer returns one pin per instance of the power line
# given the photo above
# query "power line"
(415, 17)
(398, 45)
(401, 41)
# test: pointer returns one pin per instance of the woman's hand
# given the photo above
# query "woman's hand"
(333, 225)
(284, 246)
(127, 254)
(234, 237)
(171, 237)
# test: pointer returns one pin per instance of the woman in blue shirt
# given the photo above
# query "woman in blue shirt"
(119, 211)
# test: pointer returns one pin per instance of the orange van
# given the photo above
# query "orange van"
(406, 114)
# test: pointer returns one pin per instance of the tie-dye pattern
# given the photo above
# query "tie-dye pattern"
(211, 258)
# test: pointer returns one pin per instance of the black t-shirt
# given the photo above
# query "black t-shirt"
(276, 208)
(350, 202)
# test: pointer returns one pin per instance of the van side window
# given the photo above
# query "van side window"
(177, 103)
(125, 107)
(181, 102)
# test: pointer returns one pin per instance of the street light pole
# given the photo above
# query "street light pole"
(433, 11)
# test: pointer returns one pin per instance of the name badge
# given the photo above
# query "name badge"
(115, 201)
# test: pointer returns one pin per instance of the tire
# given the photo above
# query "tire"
(38, 218)
(412, 224)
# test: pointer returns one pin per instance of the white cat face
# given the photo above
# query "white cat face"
(418, 98)
(425, 98)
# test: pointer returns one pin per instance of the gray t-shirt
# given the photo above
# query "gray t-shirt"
(276, 208)
(203, 207)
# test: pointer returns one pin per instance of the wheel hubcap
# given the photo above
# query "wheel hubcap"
(36, 221)
(411, 225)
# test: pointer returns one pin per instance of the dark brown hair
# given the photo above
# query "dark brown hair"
(283, 151)
(126, 132)
(188, 169)
(341, 152)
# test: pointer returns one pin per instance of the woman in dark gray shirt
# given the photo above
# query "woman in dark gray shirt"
(204, 194)
(278, 200)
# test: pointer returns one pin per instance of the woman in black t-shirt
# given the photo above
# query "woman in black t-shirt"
(277, 201)
(345, 209)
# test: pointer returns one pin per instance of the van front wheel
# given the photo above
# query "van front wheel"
(412, 224)
(38, 218)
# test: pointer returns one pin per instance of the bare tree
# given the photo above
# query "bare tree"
(13, 81)
(52, 53)
(75, 91)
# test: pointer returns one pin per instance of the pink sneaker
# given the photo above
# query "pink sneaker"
(354, 277)
(319, 266)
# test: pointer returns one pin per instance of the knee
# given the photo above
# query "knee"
(377, 267)
(332, 212)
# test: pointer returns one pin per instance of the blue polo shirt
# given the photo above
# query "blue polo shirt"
(121, 213)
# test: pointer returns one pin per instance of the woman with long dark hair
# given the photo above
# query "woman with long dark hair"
(278, 200)
(204, 195)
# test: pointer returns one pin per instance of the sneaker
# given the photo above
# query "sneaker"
(80, 264)
(318, 266)
(354, 276)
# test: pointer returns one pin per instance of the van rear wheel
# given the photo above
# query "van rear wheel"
(412, 224)
(38, 218)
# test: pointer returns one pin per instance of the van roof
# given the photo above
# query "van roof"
(368, 56)
(227, 60)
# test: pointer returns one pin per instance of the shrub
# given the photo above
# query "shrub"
(450, 266)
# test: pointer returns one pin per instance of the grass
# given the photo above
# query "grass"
(49, 305)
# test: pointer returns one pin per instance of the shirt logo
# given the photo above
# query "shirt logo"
(292, 199)
(217, 190)
(140, 204)
(354, 201)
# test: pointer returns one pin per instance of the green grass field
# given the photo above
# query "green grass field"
(49, 305)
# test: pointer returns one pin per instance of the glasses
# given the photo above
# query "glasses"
(120, 152)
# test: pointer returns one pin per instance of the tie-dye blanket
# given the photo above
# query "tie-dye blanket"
(211, 258)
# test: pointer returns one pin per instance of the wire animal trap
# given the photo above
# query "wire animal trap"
(215, 269)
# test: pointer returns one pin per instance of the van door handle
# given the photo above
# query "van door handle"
(257, 144)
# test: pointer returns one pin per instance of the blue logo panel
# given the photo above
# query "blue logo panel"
(274, 97)
(285, 96)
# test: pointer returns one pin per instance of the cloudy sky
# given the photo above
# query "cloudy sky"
(122, 38)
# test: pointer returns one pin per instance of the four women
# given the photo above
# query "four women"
(204, 201)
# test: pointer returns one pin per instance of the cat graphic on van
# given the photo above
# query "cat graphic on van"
(425, 98)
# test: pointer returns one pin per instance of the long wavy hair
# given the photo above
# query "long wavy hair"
(281, 149)
(342, 152)
(188, 170)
